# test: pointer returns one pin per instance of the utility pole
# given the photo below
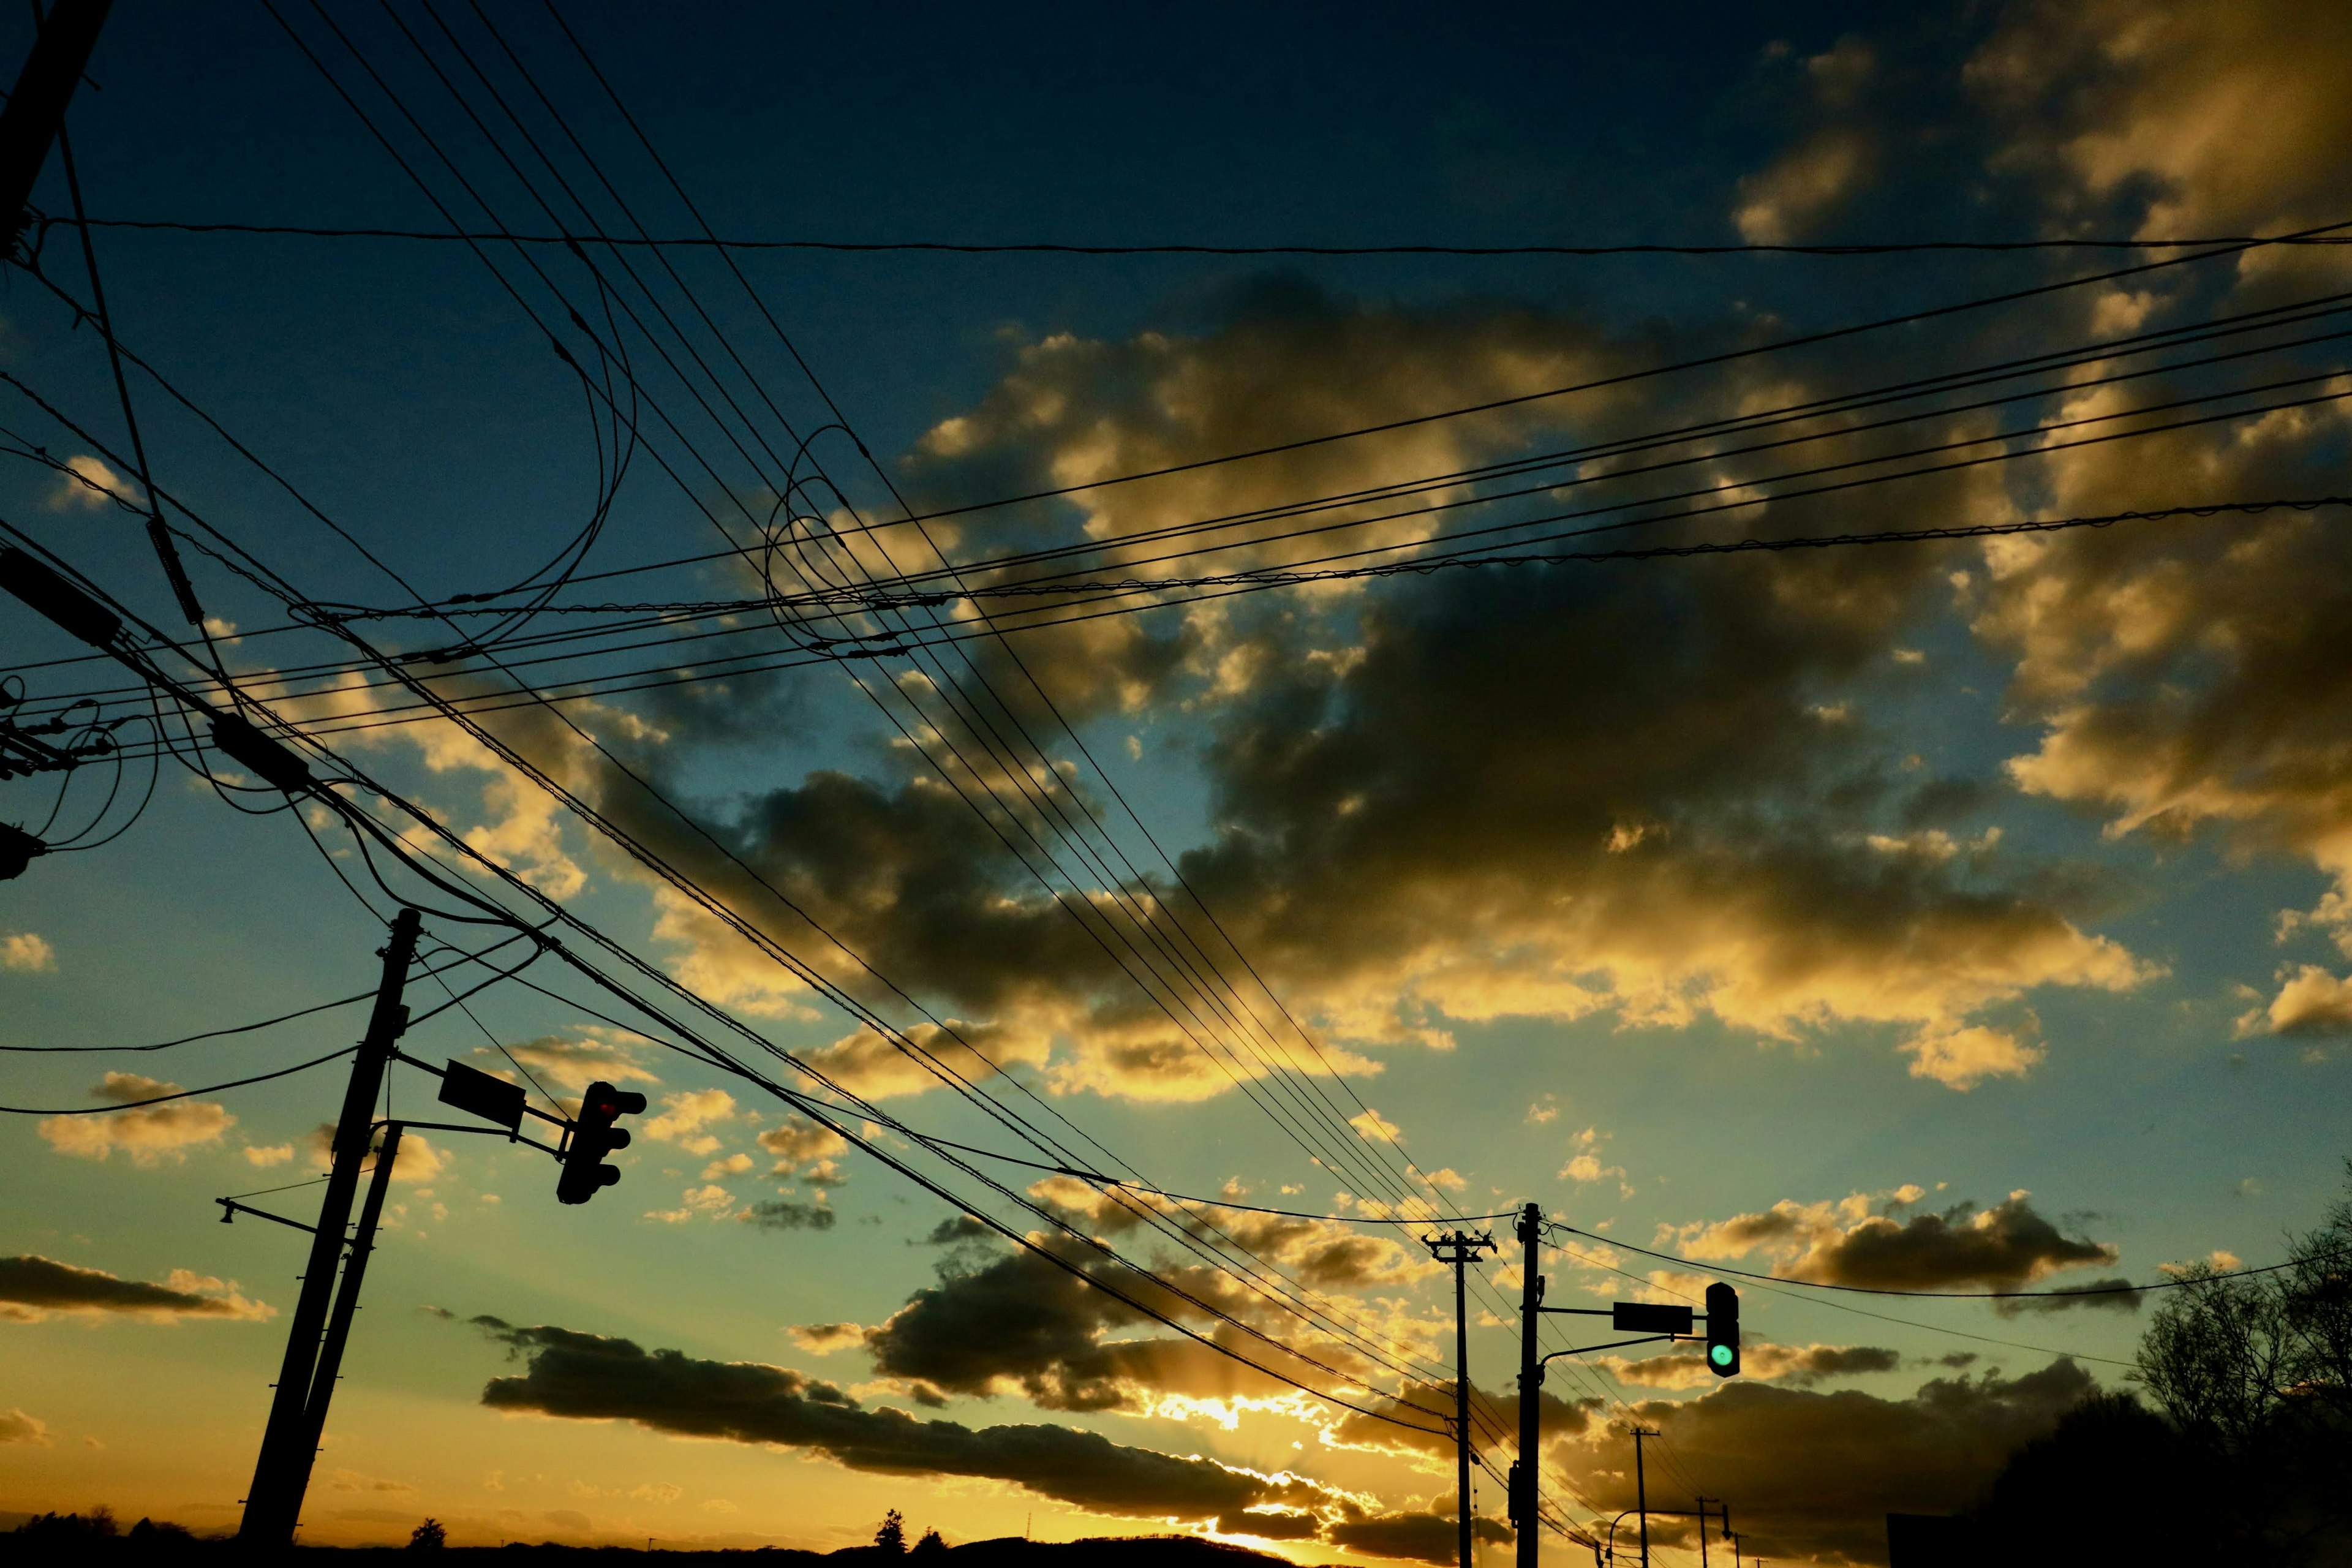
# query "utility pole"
(1701, 1529)
(1460, 1248)
(281, 1473)
(1641, 1493)
(29, 126)
(347, 1300)
(1527, 1467)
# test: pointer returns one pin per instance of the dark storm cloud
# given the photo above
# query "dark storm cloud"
(32, 1287)
(590, 1377)
(1271, 1525)
(778, 1214)
(2004, 1247)
(956, 1229)
(1820, 1471)
(1420, 1536)
(1000, 1322)
(1546, 794)
(2120, 1298)
(1016, 1320)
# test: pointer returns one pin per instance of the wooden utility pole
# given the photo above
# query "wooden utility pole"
(1641, 1493)
(282, 1472)
(1526, 1468)
(1461, 1248)
(29, 126)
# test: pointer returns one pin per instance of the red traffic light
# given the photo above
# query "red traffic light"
(594, 1136)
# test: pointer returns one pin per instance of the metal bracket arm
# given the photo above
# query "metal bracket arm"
(231, 1208)
(1613, 1344)
(485, 1132)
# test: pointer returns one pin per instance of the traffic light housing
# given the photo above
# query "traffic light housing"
(17, 849)
(1722, 1330)
(594, 1136)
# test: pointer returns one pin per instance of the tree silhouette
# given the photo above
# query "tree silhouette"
(930, 1543)
(892, 1536)
(429, 1535)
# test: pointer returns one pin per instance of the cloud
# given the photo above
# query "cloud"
(88, 484)
(1820, 1471)
(1427, 1406)
(2199, 118)
(1584, 1162)
(1419, 1535)
(1966, 1058)
(149, 1135)
(2119, 1298)
(684, 1116)
(1804, 186)
(824, 1338)
(589, 1377)
(266, 1155)
(574, 1061)
(1372, 1126)
(27, 952)
(16, 1426)
(1016, 1322)
(805, 1151)
(1686, 839)
(2311, 1004)
(710, 1201)
(2004, 1247)
(33, 1288)
(779, 1215)
(1799, 1366)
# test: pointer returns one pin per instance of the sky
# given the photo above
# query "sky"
(1966, 914)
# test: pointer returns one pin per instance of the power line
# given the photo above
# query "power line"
(719, 1058)
(181, 1094)
(664, 675)
(1052, 248)
(1714, 1268)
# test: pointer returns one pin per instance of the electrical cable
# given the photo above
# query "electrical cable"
(1716, 1268)
(425, 820)
(591, 738)
(183, 1094)
(948, 247)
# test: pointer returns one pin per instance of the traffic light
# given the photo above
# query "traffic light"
(594, 1136)
(1722, 1330)
(17, 849)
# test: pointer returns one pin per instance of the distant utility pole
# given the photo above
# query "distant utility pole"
(306, 1379)
(1724, 1508)
(1525, 1469)
(1641, 1493)
(1459, 1250)
(29, 126)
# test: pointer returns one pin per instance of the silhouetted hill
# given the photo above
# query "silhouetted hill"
(70, 1537)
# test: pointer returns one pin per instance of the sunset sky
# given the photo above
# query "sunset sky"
(1968, 915)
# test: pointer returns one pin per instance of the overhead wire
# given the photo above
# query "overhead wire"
(1050, 248)
(516, 885)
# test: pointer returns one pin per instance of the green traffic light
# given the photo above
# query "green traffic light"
(1719, 1354)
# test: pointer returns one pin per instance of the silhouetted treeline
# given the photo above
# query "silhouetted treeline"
(76, 1538)
(2242, 1452)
